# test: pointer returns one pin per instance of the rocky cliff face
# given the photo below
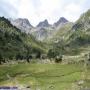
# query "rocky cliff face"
(43, 24)
(42, 31)
(22, 24)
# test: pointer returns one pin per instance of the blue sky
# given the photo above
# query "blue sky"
(38, 10)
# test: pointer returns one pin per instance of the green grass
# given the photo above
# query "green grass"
(43, 76)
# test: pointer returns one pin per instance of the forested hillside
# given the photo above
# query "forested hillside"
(15, 44)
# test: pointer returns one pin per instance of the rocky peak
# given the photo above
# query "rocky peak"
(43, 24)
(62, 20)
(22, 23)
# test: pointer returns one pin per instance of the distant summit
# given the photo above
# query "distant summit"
(43, 24)
(62, 20)
(22, 24)
(42, 31)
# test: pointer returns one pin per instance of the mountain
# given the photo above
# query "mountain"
(61, 21)
(43, 24)
(81, 29)
(79, 38)
(22, 24)
(72, 39)
(15, 44)
(68, 39)
(83, 23)
(61, 32)
(42, 31)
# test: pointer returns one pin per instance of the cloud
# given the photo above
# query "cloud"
(38, 10)
(7, 9)
(72, 11)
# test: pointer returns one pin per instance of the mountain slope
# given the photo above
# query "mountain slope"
(15, 44)
(76, 40)
(83, 23)
(62, 32)
(81, 29)
(79, 40)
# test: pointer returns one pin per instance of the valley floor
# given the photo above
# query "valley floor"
(45, 76)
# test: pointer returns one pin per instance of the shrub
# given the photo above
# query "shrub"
(58, 59)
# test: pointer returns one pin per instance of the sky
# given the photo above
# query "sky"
(39, 10)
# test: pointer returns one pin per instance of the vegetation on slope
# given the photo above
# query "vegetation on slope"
(75, 40)
(15, 44)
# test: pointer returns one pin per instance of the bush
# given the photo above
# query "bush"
(58, 59)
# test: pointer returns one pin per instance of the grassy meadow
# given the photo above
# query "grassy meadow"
(44, 76)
